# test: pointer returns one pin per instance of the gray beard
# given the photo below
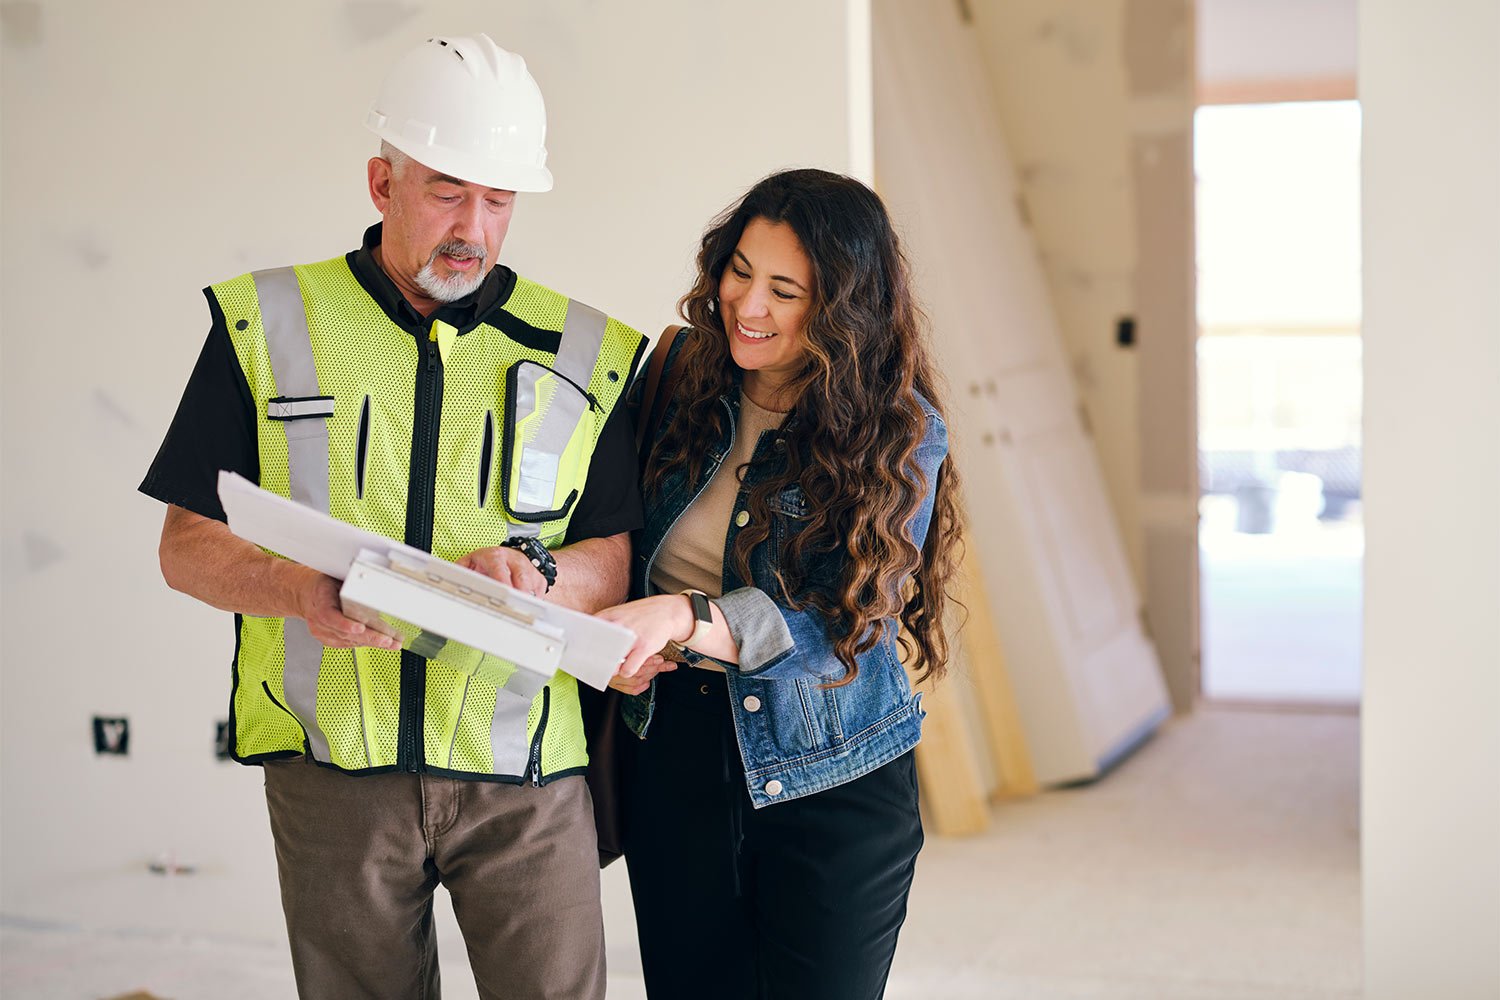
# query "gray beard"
(455, 286)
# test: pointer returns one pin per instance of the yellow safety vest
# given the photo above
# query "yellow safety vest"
(466, 439)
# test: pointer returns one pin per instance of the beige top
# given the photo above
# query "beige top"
(692, 554)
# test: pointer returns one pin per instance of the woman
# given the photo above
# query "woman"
(798, 477)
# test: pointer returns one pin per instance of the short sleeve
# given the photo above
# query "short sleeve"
(214, 429)
(611, 499)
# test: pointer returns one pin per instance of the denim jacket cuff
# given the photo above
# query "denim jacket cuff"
(758, 628)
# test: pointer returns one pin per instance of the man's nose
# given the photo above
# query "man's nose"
(469, 225)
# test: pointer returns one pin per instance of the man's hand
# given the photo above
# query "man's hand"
(320, 607)
(202, 558)
(509, 567)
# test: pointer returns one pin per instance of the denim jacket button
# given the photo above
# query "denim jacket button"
(742, 518)
(773, 787)
(752, 704)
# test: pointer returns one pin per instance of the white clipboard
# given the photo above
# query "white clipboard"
(476, 620)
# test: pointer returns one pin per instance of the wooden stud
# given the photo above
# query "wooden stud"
(1004, 736)
(952, 792)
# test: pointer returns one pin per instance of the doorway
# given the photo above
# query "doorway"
(1281, 539)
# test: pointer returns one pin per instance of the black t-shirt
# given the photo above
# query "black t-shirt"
(215, 423)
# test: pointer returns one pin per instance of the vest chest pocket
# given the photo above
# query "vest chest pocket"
(548, 421)
(287, 409)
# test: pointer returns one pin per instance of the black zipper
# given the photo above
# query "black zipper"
(278, 704)
(410, 754)
(534, 764)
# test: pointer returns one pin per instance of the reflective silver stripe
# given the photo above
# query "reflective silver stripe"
(293, 409)
(508, 730)
(582, 338)
(284, 319)
(526, 683)
(301, 683)
(581, 341)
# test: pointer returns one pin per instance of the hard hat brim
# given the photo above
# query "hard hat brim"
(527, 177)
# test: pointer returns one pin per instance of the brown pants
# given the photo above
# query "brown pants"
(360, 857)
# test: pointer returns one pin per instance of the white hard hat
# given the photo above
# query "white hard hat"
(466, 107)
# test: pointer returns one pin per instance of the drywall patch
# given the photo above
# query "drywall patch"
(1075, 38)
(41, 551)
(21, 22)
(1158, 46)
(93, 256)
(1165, 312)
(110, 410)
(370, 20)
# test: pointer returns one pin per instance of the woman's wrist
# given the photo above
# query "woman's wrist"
(686, 622)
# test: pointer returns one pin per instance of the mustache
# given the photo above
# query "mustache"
(460, 250)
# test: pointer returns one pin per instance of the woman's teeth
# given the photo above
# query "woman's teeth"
(754, 334)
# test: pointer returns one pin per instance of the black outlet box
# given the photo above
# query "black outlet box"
(111, 735)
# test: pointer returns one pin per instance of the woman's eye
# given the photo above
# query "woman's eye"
(782, 295)
(742, 275)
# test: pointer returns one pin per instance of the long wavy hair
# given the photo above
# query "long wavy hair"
(854, 428)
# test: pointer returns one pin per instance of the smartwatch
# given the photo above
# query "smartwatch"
(703, 616)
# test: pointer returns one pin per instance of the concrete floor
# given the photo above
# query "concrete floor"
(1219, 863)
(1282, 612)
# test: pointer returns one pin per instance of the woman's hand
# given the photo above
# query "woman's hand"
(655, 621)
(638, 684)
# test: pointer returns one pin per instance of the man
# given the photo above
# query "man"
(416, 388)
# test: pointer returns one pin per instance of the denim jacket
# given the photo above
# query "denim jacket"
(795, 736)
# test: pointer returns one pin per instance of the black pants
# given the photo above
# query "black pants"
(800, 899)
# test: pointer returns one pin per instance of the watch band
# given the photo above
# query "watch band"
(703, 615)
(535, 551)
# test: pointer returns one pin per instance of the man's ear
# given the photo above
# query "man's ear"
(381, 177)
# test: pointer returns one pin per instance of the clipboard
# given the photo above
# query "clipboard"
(445, 612)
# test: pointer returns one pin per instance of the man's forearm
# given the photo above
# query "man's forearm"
(202, 558)
(593, 574)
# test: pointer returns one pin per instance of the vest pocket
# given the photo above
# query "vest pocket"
(362, 450)
(286, 408)
(544, 439)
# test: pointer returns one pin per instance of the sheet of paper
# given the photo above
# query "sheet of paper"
(594, 647)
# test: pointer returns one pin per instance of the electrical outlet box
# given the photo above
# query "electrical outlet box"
(111, 735)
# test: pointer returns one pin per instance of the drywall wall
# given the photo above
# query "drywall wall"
(149, 149)
(1095, 98)
(1430, 89)
(1055, 577)
(1276, 50)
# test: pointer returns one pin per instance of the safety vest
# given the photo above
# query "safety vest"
(451, 444)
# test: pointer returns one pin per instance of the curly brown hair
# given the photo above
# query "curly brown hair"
(854, 428)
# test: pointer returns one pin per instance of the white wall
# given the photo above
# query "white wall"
(149, 150)
(1283, 40)
(1430, 86)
